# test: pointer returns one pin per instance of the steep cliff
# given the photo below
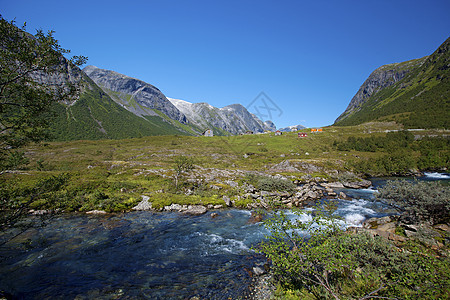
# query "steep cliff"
(414, 93)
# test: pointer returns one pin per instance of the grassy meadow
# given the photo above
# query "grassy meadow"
(112, 175)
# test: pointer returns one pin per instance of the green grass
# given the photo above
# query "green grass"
(128, 168)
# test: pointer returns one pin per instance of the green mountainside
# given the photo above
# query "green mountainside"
(414, 93)
(96, 116)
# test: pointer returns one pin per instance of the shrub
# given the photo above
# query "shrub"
(266, 183)
(420, 201)
(317, 260)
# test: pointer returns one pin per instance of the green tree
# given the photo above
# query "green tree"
(182, 166)
(33, 76)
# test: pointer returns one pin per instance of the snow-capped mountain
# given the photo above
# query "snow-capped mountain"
(233, 118)
(292, 128)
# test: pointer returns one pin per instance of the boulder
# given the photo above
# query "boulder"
(258, 271)
(443, 227)
(144, 204)
(174, 207)
(342, 195)
(227, 201)
(388, 227)
(357, 184)
(96, 212)
(195, 210)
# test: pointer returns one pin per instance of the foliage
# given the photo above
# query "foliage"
(303, 253)
(96, 116)
(420, 201)
(401, 153)
(182, 166)
(268, 183)
(396, 163)
(315, 259)
(25, 99)
(391, 142)
(17, 200)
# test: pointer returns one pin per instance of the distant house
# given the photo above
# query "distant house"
(278, 132)
(208, 132)
(316, 130)
(249, 132)
(302, 134)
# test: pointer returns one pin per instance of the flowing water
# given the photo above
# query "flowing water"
(145, 255)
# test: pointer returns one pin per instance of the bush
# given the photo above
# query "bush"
(272, 184)
(317, 260)
(420, 201)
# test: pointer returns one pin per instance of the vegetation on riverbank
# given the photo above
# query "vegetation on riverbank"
(330, 263)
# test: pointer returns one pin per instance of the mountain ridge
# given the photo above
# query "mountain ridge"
(414, 93)
(233, 118)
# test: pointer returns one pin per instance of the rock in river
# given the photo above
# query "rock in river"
(195, 210)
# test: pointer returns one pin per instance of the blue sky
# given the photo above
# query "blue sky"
(308, 57)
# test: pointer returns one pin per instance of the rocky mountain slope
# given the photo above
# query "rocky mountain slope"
(414, 93)
(144, 100)
(94, 115)
(135, 95)
(233, 118)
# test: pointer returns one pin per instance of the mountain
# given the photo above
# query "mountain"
(94, 115)
(232, 119)
(414, 93)
(292, 128)
(145, 100)
(137, 96)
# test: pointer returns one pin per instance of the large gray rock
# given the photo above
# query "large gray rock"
(144, 204)
(357, 184)
(195, 210)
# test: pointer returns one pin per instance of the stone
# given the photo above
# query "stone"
(443, 227)
(255, 217)
(214, 215)
(342, 195)
(397, 238)
(218, 206)
(334, 185)
(227, 201)
(96, 212)
(232, 183)
(195, 210)
(312, 195)
(284, 166)
(144, 204)
(357, 184)
(39, 212)
(388, 227)
(258, 271)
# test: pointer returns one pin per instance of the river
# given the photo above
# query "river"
(146, 255)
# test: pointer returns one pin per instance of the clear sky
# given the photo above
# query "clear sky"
(308, 57)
